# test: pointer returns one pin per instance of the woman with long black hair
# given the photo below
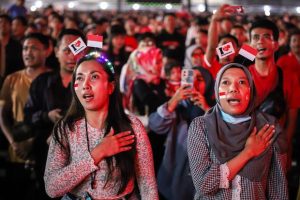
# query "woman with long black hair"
(97, 151)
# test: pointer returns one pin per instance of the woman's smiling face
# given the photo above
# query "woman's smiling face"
(234, 91)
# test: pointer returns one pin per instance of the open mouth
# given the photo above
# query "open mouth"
(233, 101)
(29, 58)
(88, 97)
(260, 50)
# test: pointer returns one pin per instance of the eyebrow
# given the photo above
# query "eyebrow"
(92, 72)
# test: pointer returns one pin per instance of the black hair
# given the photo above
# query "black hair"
(22, 19)
(229, 36)
(69, 32)
(171, 53)
(267, 24)
(293, 32)
(6, 17)
(201, 21)
(238, 26)
(57, 16)
(40, 37)
(145, 35)
(116, 30)
(116, 119)
(170, 65)
(101, 21)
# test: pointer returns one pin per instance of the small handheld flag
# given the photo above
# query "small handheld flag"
(225, 50)
(248, 52)
(95, 41)
(77, 46)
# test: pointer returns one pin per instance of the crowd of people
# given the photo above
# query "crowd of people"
(119, 122)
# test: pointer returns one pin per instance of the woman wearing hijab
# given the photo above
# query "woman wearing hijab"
(172, 119)
(236, 152)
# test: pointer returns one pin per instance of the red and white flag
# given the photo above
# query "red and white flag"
(225, 50)
(95, 41)
(248, 52)
(77, 46)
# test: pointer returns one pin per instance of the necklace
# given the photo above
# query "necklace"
(93, 175)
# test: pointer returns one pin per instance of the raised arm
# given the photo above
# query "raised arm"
(213, 32)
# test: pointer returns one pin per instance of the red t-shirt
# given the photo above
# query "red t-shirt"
(265, 84)
(213, 67)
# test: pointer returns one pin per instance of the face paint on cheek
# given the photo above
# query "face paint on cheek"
(76, 86)
(222, 95)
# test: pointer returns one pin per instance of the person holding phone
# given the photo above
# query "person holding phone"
(172, 119)
(234, 151)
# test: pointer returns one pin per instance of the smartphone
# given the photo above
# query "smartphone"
(187, 77)
(237, 9)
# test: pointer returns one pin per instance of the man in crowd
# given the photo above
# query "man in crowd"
(49, 98)
(14, 94)
(276, 91)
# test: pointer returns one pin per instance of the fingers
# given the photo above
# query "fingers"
(127, 148)
(122, 134)
(266, 130)
(269, 133)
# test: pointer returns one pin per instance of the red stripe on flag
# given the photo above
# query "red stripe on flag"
(249, 49)
(75, 85)
(98, 38)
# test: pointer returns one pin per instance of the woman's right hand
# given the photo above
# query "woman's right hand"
(112, 144)
(258, 143)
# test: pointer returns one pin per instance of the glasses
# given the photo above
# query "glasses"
(266, 36)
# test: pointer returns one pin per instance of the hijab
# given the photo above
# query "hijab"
(227, 140)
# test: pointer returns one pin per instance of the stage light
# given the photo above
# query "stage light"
(168, 6)
(136, 6)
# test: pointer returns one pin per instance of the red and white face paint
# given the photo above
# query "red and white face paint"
(222, 95)
(76, 86)
(234, 91)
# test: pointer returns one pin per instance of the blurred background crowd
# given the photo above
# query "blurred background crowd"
(148, 44)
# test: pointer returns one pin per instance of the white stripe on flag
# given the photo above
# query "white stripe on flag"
(247, 54)
(95, 44)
